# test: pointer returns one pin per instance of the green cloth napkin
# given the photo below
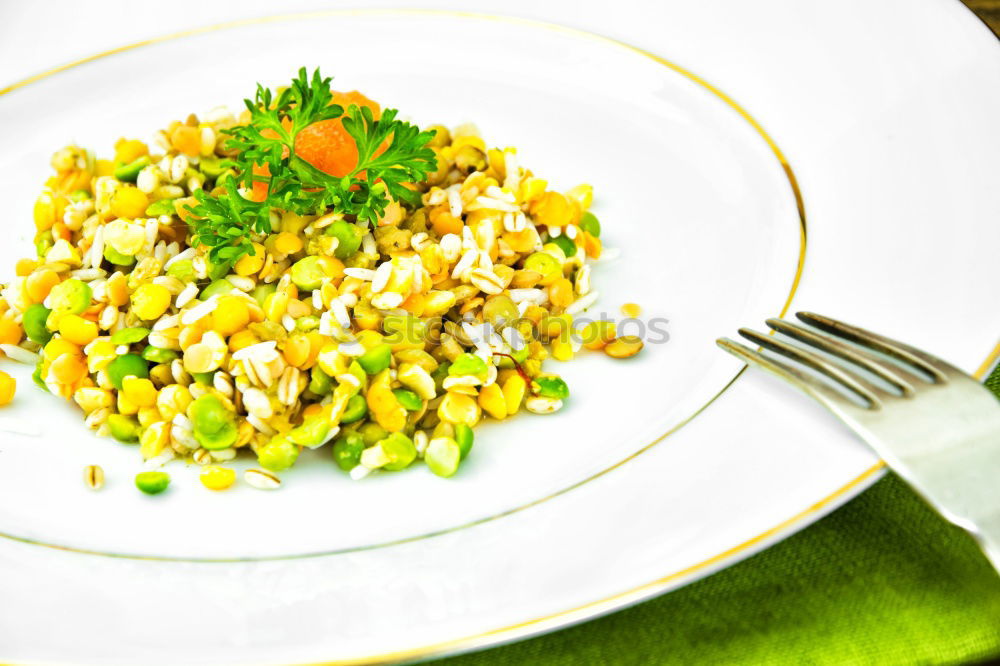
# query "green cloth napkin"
(883, 580)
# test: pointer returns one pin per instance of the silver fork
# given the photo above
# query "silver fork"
(936, 427)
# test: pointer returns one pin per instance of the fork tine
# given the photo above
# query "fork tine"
(841, 350)
(898, 350)
(862, 388)
(815, 389)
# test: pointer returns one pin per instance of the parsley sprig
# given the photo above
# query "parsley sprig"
(265, 153)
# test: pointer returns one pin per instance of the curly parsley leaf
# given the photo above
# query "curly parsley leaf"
(391, 154)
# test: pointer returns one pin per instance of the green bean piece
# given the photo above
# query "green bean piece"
(372, 432)
(262, 291)
(440, 373)
(36, 377)
(319, 382)
(182, 269)
(126, 336)
(347, 450)
(376, 359)
(218, 287)
(565, 244)
(70, 296)
(400, 451)
(408, 399)
(161, 207)
(213, 167)
(123, 428)
(206, 378)
(356, 409)
(467, 364)
(311, 434)
(550, 387)
(117, 258)
(33, 322)
(277, 455)
(152, 483)
(159, 354)
(348, 238)
(464, 438)
(214, 425)
(443, 456)
(307, 273)
(127, 365)
(307, 323)
(128, 173)
(590, 224)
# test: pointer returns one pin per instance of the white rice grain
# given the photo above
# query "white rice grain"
(339, 311)
(263, 350)
(186, 296)
(180, 256)
(582, 303)
(199, 311)
(365, 274)
(20, 355)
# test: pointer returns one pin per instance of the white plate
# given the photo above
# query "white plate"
(553, 519)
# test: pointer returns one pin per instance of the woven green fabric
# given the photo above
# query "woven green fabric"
(883, 580)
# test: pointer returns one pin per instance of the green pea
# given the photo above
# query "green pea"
(159, 354)
(70, 296)
(311, 434)
(217, 271)
(216, 288)
(217, 441)
(356, 409)
(127, 365)
(590, 224)
(43, 243)
(126, 336)
(440, 374)
(307, 323)
(372, 432)
(319, 382)
(117, 258)
(464, 438)
(551, 387)
(213, 167)
(79, 195)
(347, 450)
(400, 451)
(34, 323)
(161, 207)
(376, 359)
(355, 369)
(206, 378)
(443, 456)
(209, 415)
(128, 173)
(182, 269)
(348, 236)
(277, 455)
(519, 355)
(123, 428)
(36, 377)
(565, 244)
(152, 483)
(408, 399)
(262, 291)
(307, 273)
(467, 364)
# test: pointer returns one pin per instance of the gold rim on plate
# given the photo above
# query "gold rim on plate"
(694, 78)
